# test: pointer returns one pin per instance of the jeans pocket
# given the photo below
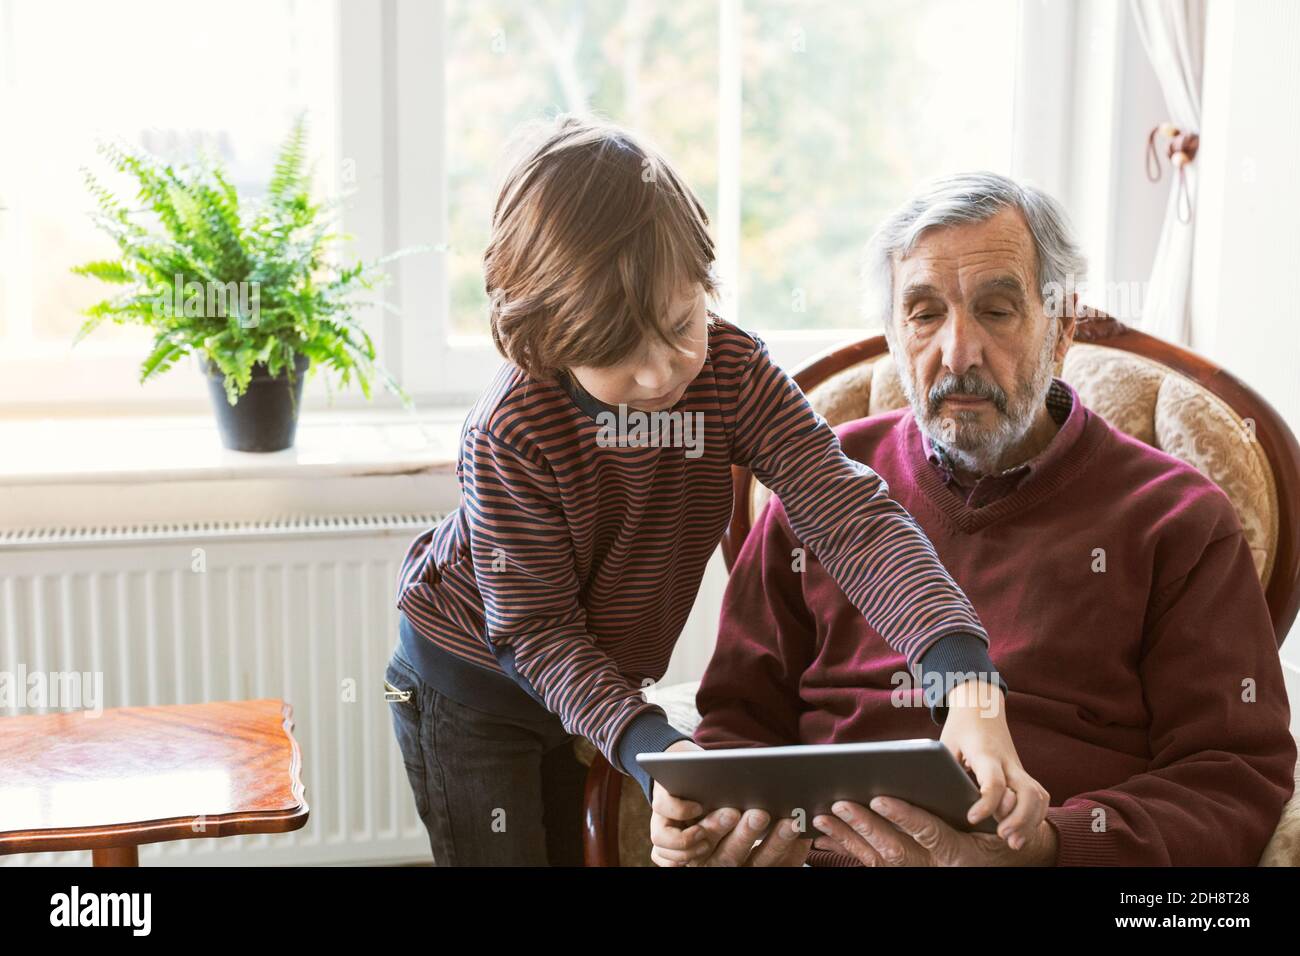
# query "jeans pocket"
(402, 691)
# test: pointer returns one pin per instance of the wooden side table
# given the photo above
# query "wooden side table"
(133, 775)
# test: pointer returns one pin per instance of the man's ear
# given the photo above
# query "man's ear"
(1069, 322)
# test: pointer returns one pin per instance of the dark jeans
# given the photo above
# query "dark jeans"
(491, 790)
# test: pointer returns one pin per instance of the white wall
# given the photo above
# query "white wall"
(1246, 281)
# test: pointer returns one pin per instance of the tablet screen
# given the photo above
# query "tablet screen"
(803, 781)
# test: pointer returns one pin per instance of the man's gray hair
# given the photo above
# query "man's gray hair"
(965, 198)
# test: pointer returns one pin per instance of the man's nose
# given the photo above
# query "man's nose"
(962, 342)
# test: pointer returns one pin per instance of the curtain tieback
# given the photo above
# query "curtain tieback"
(1181, 149)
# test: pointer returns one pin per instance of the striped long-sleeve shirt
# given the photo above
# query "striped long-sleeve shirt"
(575, 555)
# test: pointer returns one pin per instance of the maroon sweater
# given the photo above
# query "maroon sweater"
(1145, 692)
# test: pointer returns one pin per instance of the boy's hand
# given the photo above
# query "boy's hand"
(724, 837)
(976, 733)
(676, 838)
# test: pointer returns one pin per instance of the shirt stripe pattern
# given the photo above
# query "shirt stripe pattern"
(581, 558)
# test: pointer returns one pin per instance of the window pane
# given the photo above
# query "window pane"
(846, 107)
(647, 64)
(163, 75)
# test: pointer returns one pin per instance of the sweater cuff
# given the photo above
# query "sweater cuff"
(1079, 842)
(647, 732)
(940, 667)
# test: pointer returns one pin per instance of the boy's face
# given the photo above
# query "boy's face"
(655, 377)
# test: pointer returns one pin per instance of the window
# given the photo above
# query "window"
(798, 123)
(844, 108)
(841, 109)
(165, 76)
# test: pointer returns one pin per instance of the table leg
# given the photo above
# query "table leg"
(116, 856)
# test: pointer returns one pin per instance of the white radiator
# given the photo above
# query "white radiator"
(301, 609)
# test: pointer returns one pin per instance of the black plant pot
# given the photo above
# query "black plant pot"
(266, 416)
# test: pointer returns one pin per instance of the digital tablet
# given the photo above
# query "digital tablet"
(781, 780)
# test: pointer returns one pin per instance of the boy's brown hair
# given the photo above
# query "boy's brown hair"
(593, 236)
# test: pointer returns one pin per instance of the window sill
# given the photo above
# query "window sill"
(188, 448)
(115, 471)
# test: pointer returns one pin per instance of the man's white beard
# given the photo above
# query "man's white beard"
(974, 447)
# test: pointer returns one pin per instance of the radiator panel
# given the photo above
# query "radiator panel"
(299, 609)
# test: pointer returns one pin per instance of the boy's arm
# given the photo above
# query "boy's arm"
(536, 627)
(841, 510)
(1222, 757)
(749, 695)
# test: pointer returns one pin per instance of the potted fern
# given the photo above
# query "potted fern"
(250, 288)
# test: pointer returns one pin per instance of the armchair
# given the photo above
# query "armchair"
(1161, 393)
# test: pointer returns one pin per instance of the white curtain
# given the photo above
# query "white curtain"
(1173, 32)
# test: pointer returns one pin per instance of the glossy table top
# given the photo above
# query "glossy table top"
(143, 774)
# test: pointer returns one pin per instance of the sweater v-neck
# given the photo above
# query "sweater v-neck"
(1084, 440)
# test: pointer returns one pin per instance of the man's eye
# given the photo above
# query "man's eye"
(926, 316)
(997, 314)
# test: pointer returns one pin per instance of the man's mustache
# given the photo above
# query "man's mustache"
(967, 384)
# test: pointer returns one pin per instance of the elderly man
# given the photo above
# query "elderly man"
(1126, 617)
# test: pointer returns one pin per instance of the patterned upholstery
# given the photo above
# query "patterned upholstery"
(1138, 396)
(1134, 394)
(1283, 848)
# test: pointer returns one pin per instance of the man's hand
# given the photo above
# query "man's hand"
(725, 837)
(976, 733)
(900, 834)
